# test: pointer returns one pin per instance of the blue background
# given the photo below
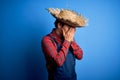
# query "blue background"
(23, 23)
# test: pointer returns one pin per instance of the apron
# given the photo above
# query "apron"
(67, 70)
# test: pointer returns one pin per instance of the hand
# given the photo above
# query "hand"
(69, 35)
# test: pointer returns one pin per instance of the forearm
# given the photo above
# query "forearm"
(77, 51)
(50, 49)
(60, 56)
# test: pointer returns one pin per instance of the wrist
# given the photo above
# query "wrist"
(67, 40)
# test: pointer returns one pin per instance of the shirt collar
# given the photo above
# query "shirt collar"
(56, 37)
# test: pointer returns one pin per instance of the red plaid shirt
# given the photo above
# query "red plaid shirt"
(50, 49)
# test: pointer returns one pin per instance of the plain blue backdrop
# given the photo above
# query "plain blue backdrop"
(23, 23)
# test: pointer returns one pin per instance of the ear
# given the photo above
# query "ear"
(59, 25)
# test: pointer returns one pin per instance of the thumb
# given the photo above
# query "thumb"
(63, 32)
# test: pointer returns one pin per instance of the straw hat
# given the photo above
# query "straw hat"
(69, 17)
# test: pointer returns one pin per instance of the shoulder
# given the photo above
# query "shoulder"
(47, 40)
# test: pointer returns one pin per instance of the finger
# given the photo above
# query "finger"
(71, 30)
(63, 32)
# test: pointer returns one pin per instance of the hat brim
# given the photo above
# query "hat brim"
(80, 21)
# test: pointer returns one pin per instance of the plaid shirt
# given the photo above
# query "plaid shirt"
(58, 57)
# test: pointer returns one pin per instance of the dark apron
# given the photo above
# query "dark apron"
(67, 70)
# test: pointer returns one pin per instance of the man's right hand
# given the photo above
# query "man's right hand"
(69, 35)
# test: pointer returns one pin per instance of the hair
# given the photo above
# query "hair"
(56, 23)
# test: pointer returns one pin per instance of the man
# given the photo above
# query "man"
(59, 47)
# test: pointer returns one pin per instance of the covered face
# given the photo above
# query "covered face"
(64, 28)
(67, 28)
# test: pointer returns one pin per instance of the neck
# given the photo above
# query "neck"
(58, 33)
